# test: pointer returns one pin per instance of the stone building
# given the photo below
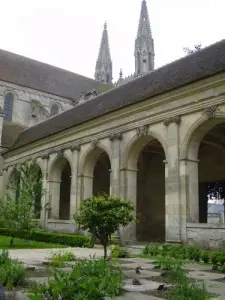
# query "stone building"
(157, 140)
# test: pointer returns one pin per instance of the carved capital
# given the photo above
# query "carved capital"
(60, 153)
(175, 119)
(115, 136)
(45, 156)
(75, 148)
(94, 143)
(210, 111)
(143, 130)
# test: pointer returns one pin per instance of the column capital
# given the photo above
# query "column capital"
(75, 148)
(175, 119)
(142, 130)
(45, 156)
(210, 111)
(116, 136)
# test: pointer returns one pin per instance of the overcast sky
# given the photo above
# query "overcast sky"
(67, 33)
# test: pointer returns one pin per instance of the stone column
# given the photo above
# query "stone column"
(190, 188)
(175, 210)
(74, 180)
(45, 196)
(115, 139)
(129, 181)
(86, 182)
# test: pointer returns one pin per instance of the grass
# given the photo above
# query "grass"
(24, 244)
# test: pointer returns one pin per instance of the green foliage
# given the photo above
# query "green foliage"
(89, 279)
(104, 215)
(205, 257)
(58, 259)
(119, 252)
(189, 291)
(12, 272)
(168, 263)
(50, 237)
(19, 212)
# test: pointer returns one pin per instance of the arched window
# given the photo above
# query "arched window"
(54, 109)
(8, 106)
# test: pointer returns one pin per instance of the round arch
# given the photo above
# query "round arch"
(60, 188)
(89, 159)
(202, 150)
(143, 162)
(135, 146)
(195, 134)
(95, 172)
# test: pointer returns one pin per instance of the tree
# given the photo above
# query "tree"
(189, 51)
(104, 215)
(18, 214)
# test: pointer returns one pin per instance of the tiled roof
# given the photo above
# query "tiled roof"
(191, 68)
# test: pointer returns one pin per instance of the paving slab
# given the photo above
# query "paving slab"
(143, 274)
(40, 279)
(215, 287)
(136, 296)
(137, 260)
(201, 275)
(196, 267)
(146, 285)
(132, 266)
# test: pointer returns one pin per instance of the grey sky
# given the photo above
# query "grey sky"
(67, 33)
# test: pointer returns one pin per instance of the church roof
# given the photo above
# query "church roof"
(191, 68)
(10, 132)
(36, 75)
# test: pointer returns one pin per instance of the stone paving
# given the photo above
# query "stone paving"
(35, 257)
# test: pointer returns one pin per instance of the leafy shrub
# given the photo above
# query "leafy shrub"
(215, 259)
(119, 252)
(189, 291)
(89, 279)
(221, 258)
(59, 258)
(51, 237)
(168, 263)
(152, 250)
(205, 257)
(12, 272)
(4, 257)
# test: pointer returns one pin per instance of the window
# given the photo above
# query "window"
(8, 106)
(54, 109)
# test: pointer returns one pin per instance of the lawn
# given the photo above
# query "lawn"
(24, 244)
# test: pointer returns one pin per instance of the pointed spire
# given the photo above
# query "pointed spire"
(103, 70)
(144, 44)
(144, 28)
(121, 74)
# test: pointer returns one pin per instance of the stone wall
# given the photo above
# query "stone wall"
(207, 236)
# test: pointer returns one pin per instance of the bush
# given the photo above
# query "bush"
(12, 272)
(89, 279)
(59, 258)
(50, 237)
(206, 257)
(118, 252)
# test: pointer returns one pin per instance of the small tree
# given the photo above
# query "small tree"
(18, 214)
(104, 215)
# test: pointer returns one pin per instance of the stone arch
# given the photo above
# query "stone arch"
(60, 188)
(203, 150)
(95, 172)
(196, 132)
(136, 144)
(145, 182)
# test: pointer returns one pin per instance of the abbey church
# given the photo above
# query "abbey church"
(155, 137)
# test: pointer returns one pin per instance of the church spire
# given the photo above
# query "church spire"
(103, 69)
(144, 44)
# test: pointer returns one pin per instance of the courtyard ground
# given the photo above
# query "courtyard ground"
(36, 259)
